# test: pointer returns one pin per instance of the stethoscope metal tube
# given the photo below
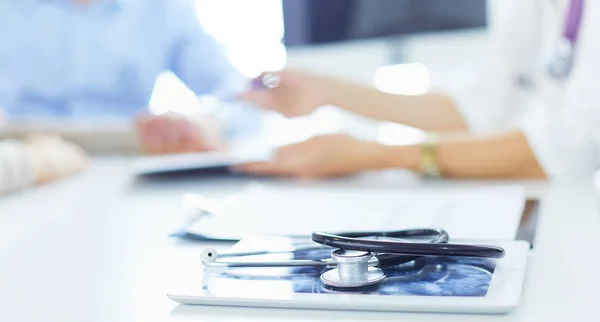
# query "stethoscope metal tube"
(212, 256)
(213, 259)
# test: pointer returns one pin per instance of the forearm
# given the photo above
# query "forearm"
(505, 155)
(429, 112)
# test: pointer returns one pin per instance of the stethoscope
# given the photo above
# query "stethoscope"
(562, 59)
(358, 258)
(431, 269)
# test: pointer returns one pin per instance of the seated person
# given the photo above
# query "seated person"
(551, 144)
(532, 113)
(37, 160)
(92, 59)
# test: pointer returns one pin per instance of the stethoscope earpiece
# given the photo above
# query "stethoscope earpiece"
(209, 255)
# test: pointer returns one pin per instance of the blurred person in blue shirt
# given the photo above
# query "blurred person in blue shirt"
(91, 59)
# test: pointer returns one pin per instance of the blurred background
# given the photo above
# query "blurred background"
(399, 46)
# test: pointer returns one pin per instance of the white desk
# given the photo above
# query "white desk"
(96, 249)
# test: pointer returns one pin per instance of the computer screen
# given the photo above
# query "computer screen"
(310, 22)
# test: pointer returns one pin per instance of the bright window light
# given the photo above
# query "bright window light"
(251, 33)
(405, 79)
(242, 22)
(252, 61)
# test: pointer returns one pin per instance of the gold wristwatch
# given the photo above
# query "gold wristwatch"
(429, 166)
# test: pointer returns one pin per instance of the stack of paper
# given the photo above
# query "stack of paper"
(467, 214)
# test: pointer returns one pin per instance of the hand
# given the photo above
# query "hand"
(299, 93)
(319, 157)
(174, 133)
(53, 158)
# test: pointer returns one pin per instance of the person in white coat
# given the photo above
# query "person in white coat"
(533, 114)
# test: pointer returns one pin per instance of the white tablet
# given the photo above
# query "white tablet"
(448, 285)
(241, 153)
(191, 161)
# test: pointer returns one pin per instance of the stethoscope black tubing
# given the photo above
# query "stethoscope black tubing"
(355, 241)
(437, 235)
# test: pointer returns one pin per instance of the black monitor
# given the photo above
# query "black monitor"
(310, 22)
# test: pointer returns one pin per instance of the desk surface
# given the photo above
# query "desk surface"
(95, 248)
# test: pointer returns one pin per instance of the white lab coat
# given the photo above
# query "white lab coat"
(561, 120)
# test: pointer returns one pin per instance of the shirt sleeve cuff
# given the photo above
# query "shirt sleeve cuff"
(562, 148)
(16, 170)
(470, 109)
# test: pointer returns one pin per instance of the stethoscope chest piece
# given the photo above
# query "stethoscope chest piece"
(353, 270)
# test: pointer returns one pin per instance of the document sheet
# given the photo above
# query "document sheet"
(492, 213)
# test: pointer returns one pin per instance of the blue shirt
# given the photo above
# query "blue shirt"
(59, 59)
